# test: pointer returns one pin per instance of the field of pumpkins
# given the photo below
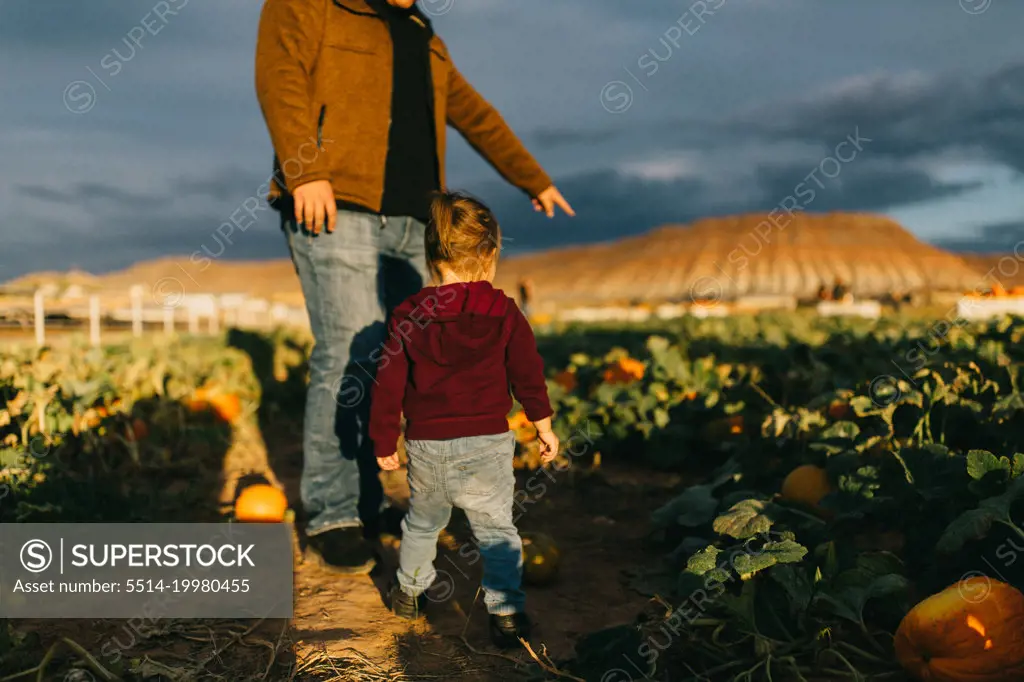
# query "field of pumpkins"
(852, 505)
(856, 495)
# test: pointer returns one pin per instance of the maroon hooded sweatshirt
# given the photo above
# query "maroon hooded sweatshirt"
(452, 355)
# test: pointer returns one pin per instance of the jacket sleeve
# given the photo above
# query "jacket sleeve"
(287, 45)
(488, 133)
(388, 394)
(526, 369)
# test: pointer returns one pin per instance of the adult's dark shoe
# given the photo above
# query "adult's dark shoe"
(506, 630)
(344, 550)
(404, 605)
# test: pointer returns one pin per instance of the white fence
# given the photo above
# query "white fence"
(197, 312)
(869, 309)
(977, 308)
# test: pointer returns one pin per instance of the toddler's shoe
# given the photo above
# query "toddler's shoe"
(506, 630)
(404, 605)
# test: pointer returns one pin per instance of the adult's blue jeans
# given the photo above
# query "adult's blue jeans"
(474, 474)
(351, 279)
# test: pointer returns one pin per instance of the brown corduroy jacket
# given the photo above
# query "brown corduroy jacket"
(323, 79)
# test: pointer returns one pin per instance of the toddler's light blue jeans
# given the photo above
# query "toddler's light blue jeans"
(474, 474)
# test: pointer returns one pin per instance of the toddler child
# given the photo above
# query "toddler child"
(454, 351)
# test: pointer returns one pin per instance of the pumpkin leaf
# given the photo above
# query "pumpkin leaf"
(981, 462)
(884, 586)
(604, 650)
(1017, 465)
(838, 606)
(703, 561)
(747, 564)
(863, 482)
(661, 417)
(842, 430)
(702, 570)
(880, 563)
(695, 506)
(745, 519)
(849, 602)
(934, 470)
(795, 581)
(975, 524)
(11, 457)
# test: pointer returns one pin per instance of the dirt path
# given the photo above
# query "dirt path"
(341, 629)
(599, 521)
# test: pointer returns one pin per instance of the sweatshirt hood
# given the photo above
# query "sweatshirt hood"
(448, 325)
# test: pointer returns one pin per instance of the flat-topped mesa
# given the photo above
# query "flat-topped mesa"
(744, 255)
(728, 257)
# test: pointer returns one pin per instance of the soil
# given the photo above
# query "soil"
(599, 521)
(342, 630)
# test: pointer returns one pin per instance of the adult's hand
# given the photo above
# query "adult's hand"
(548, 199)
(315, 206)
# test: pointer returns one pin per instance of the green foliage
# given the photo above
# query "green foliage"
(919, 432)
(68, 447)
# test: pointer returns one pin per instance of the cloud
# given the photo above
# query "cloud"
(909, 115)
(93, 192)
(865, 184)
(1003, 237)
(740, 114)
(613, 204)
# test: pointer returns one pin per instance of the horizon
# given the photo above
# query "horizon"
(644, 116)
(507, 252)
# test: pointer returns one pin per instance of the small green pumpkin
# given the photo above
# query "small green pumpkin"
(541, 559)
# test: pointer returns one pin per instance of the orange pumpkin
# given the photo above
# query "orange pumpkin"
(626, 370)
(518, 421)
(807, 485)
(971, 631)
(838, 410)
(523, 428)
(261, 503)
(720, 429)
(226, 406)
(567, 380)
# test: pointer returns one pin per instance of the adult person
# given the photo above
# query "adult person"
(356, 95)
(525, 295)
(841, 292)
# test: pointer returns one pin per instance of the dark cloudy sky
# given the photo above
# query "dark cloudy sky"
(644, 112)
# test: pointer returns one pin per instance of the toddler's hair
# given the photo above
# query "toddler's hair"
(463, 235)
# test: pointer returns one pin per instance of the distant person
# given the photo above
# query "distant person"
(824, 294)
(461, 344)
(841, 292)
(525, 295)
(356, 95)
